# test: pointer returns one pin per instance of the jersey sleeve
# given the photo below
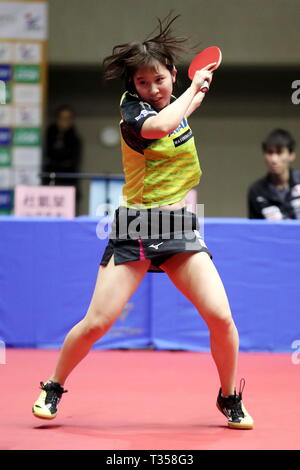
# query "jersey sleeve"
(254, 209)
(135, 112)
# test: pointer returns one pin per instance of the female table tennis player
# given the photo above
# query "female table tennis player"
(161, 165)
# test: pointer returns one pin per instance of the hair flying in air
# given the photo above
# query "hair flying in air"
(164, 47)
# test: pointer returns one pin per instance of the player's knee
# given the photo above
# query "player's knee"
(220, 321)
(96, 328)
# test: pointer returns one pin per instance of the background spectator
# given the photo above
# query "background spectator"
(277, 195)
(63, 148)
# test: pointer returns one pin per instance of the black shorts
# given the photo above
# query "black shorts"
(152, 234)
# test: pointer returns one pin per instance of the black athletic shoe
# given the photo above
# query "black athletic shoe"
(45, 406)
(232, 407)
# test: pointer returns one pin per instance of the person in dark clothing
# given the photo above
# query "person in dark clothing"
(276, 196)
(63, 149)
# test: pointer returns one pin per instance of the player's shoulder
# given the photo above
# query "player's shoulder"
(259, 184)
(133, 99)
(128, 98)
(134, 110)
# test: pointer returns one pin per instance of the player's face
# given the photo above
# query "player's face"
(278, 160)
(155, 84)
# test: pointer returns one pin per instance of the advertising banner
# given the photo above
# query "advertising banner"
(23, 35)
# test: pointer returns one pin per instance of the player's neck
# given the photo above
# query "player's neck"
(281, 180)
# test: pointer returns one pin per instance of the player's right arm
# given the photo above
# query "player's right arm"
(171, 116)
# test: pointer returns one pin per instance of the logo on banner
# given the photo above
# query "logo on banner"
(28, 52)
(25, 136)
(24, 20)
(5, 73)
(27, 73)
(27, 94)
(5, 156)
(27, 116)
(28, 176)
(5, 52)
(6, 199)
(5, 136)
(33, 22)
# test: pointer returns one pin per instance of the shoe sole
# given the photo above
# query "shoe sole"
(42, 416)
(240, 426)
(235, 425)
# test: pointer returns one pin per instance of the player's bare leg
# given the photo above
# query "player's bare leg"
(114, 286)
(195, 275)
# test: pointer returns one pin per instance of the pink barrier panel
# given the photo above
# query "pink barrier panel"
(53, 201)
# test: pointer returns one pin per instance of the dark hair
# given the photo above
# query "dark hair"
(127, 58)
(278, 139)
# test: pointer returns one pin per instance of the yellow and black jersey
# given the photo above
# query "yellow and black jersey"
(157, 171)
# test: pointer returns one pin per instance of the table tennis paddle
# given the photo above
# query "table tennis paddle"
(207, 56)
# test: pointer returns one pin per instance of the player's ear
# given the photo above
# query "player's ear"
(174, 73)
(292, 156)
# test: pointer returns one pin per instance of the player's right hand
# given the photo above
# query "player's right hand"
(203, 75)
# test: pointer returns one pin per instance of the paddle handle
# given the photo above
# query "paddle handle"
(205, 87)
